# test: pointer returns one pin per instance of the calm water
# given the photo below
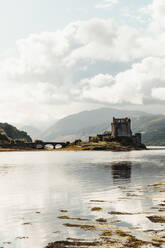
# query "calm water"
(46, 182)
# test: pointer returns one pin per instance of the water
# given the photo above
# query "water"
(35, 186)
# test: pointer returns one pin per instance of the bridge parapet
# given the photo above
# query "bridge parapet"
(33, 145)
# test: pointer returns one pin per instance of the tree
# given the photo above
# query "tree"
(38, 141)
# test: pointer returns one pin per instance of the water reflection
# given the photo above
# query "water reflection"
(121, 172)
(38, 185)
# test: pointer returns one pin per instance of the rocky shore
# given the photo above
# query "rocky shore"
(107, 232)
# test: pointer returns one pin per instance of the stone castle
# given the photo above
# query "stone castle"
(120, 129)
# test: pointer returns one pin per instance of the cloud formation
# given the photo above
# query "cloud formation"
(107, 4)
(137, 85)
(157, 9)
(52, 69)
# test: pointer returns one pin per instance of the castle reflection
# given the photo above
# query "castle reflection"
(121, 172)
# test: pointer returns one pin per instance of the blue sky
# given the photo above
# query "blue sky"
(19, 18)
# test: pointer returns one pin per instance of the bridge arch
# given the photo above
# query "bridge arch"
(58, 146)
(49, 146)
(40, 146)
(54, 145)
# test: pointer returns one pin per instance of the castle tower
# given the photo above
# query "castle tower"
(121, 128)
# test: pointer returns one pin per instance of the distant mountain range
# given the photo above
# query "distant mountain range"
(88, 123)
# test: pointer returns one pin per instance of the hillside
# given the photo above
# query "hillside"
(12, 132)
(89, 123)
(152, 128)
(85, 123)
(3, 137)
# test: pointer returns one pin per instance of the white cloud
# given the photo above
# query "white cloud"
(156, 13)
(48, 63)
(56, 57)
(141, 83)
(48, 72)
(100, 39)
(107, 4)
(159, 93)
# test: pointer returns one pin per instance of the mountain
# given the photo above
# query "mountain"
(152, 128)
(34, 132)
(86, 123)
(12, 132)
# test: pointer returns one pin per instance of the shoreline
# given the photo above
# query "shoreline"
(68, 150)
(73, 149)
(103, 146)
(105, 227)
(20, 150)
(83, 146)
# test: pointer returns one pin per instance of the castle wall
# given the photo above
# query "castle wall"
(137, 138)
(121, 127)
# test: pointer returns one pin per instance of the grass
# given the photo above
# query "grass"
(99, 146)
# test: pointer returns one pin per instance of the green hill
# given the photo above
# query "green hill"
(152, 128)
(9, 132)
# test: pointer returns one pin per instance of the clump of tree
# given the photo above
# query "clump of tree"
(19, 141)
(77, 142)
(38, 141)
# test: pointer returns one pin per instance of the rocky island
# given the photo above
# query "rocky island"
(120, 138)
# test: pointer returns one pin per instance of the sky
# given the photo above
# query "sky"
(62, 57)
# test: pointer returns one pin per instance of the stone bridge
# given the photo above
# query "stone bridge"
(54, 144)
(34, 145)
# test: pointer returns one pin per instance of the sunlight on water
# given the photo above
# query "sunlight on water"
(35, 186)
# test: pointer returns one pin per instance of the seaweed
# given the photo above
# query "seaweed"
(106, 233)
(63, 211)
(96, 209)
(97, 201)
(65, 244)
(84, 227)
(101, 220)
(70, 218)
(156, 219)
(119, 213)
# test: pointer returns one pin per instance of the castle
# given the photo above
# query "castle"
(120, 130)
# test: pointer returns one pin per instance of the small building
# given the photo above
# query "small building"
(106, 136)
(137, 138)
